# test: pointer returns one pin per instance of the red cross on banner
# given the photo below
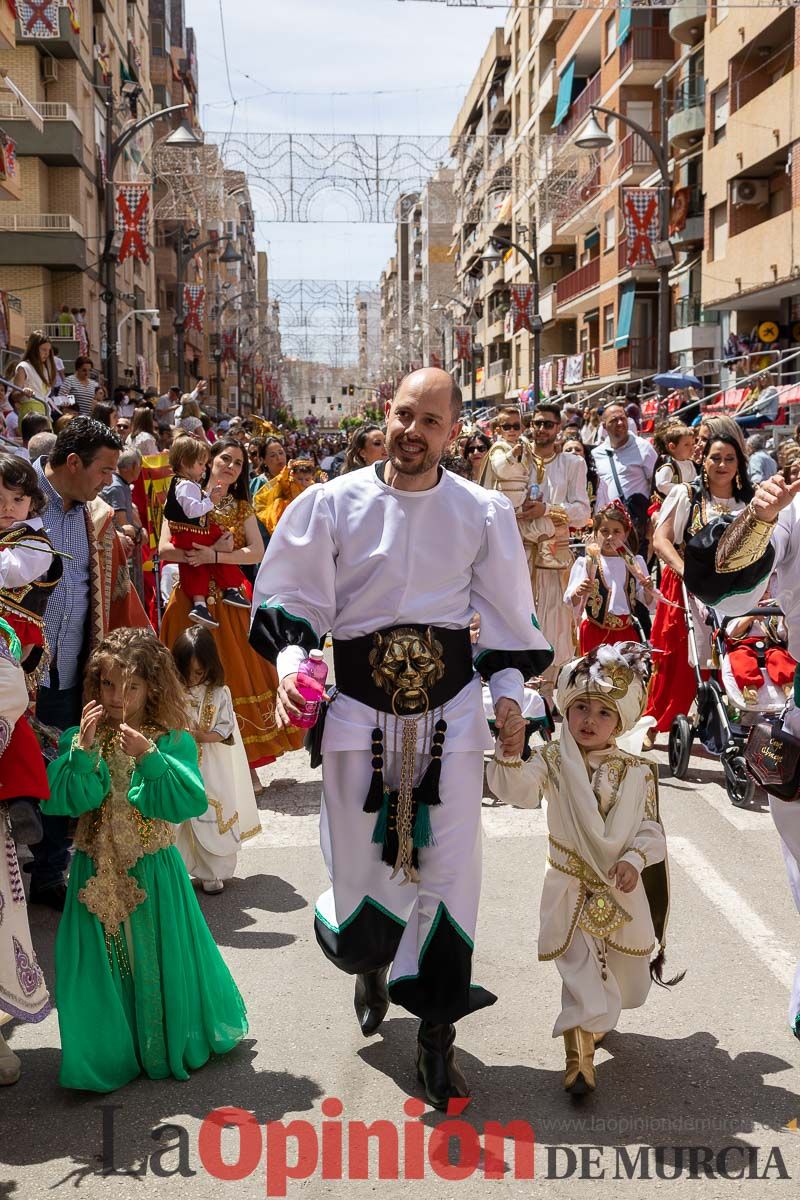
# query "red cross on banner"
(194, 304)
(463, 336)
(229, 346)
(640, 210)
(521, 307)
(133, 220)
(38, 18)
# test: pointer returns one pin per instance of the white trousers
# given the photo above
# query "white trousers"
(446, 895)
(588, 1000)
(556, 621)
(786, 815)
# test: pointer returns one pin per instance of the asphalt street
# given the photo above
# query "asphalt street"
(707, 1073)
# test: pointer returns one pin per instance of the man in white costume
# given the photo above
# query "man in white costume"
(731, 574)
(395, 560)
(563, 503)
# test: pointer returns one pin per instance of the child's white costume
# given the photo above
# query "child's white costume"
(602, 809)
(210, 843)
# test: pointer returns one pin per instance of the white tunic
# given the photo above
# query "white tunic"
(356, 555)
(192, 499)
(615, 575)
(564, 484)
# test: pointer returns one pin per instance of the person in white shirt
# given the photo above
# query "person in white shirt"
(625, 466)
(395, 560)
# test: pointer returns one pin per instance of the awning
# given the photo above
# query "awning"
(32, 113)
(564, 93)
(625, 19)
(625, 315)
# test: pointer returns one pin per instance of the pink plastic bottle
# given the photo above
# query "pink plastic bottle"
(311, 676)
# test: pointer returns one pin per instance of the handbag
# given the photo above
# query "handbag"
(772, 756)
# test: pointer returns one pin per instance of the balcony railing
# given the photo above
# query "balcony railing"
(48, 110)
(638, 355)
(689, 93)
(634, 152)
(646, 44)
(40, 223)
(580, 107)
(582, 280)
(689, 311)
(498, 367)
(591, 363)
(55, 332)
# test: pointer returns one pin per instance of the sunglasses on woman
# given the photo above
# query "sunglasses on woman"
(475, 450)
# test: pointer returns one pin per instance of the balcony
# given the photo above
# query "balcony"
(60, 144)
(634, 153)
(688, 118)
(639, 355)
(499, 367)
(645, 55)
(580, 107)
(686, 21)
(496, 327)
(499, 110)
(694, 328)
(552, 18)
(578, 282)
(548, 87)
(692, 232)
(63, 246)
(591, 363)
(59, 38)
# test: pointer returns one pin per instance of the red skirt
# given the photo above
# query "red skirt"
(673, 686)
(24, 771)
(591, 635)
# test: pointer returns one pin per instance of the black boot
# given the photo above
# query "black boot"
(437, 1069)
(371, 1000)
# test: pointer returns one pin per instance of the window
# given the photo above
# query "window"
(583, 340)
(719, 232)
(719, 113)
(609, 229)
(611, 35)
(608, 325)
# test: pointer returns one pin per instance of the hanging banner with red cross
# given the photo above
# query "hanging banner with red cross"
(521, 307)
(463, 336)
(133, 220)
(194, 306)
(229, 346)
(640, 212)
(38, 18)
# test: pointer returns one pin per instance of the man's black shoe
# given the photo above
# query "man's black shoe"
(437, 1069)
(371, 1000)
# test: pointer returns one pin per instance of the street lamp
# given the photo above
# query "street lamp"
(493, 258)
(152, 313)
(436, 328)
(594, 137)
(114, 148)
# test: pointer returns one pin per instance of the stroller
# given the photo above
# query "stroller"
(723, 714)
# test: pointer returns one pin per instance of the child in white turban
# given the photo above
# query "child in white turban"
(605, 897)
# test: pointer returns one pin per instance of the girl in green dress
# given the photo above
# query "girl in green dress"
(140, 984)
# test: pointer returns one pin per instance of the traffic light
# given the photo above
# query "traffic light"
(351, 391)
(344, 391)
(313, 399)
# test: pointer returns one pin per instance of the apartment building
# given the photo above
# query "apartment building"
(600, 313)
(76, 69)
(751, 177)
(482, 188)
(435, 263)
(390, 302)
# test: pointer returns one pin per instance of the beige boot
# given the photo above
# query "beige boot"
(580, 1074)
(10, 1066)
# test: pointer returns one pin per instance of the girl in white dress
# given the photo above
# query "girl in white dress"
(210, 843)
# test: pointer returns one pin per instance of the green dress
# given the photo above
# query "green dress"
(140, 984)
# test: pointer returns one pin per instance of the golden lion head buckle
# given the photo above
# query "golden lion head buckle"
(406, 664)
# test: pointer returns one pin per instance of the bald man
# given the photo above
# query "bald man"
(394, 560)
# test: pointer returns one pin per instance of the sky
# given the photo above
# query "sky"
(406, 66)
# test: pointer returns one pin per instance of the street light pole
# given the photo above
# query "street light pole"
(114, 149)
(596, 138)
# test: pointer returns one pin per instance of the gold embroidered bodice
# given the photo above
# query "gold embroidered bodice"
(231, 514)
(116, 836)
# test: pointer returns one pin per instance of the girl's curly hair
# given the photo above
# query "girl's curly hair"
(140, 651)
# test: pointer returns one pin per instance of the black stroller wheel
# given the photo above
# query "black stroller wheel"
(681, 736)
(740, 786)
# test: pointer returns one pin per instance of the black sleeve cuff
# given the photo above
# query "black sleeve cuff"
(273, 630)
(529, 662)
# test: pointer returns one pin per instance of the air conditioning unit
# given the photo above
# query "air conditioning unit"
(551, 260)
(750, 191)
(49, 68)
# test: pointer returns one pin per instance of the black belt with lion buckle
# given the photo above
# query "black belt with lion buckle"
(407, 670)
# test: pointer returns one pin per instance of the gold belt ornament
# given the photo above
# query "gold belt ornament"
(601, 914)
(406, 663)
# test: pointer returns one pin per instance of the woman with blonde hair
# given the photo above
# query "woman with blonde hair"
(366, 446)
(35, 375)
(143, 431)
